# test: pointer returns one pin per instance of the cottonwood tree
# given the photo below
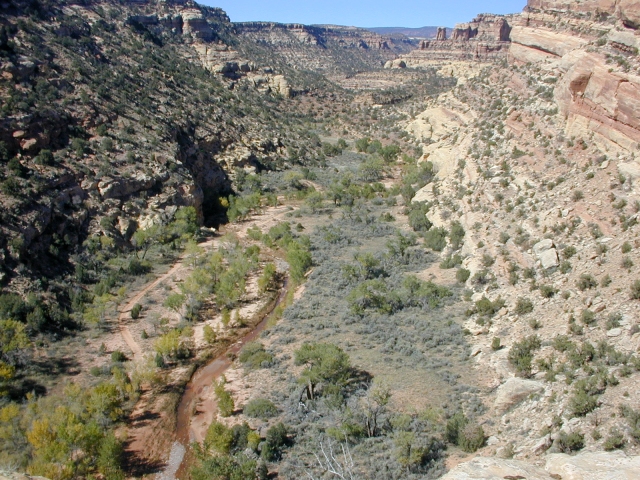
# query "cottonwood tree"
(144, 239)
(325, 363)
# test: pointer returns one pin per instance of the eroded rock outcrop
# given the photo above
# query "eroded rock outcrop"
(515, 390)
(484, 38)
(491, 468)
(593, 466)
(583, 466)
(593, 98)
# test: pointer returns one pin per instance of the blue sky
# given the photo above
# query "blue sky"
(364, 13)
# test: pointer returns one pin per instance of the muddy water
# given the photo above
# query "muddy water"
(178, 464)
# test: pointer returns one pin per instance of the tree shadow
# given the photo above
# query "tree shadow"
(53, 366)
(358, 380)
(135, 466)
(19, 389)
(143, 418)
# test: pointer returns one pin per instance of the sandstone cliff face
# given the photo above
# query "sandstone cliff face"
(626, 10)
(595, 97)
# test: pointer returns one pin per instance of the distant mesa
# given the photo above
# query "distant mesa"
(419, 33)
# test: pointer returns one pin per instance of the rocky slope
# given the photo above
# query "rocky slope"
(537, 157)
(114, 114)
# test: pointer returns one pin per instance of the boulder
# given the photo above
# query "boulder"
(546, 253)
(543, 246)
(614, 332)
(492, 468)
(514, 391)
(631, 170)
(542, 445)
(593, 466)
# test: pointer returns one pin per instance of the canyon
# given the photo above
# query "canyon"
(465, 208)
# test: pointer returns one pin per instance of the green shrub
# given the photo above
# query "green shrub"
(547, 291)
(495, 344)
(117, 356)
(562, 343)
(254, 233)
(226, 405)
(268, 279)
(626, 247)
(487, 308)
(260, 408)
(586, 281)
(569, 252)
(569, 442)
(633, 419)
(588, 317)
(275, 442)
(521, 354)
(584, 399)
(461, 432)
(254, 356)
(11, 187)
(299, 259)
(635, 290)
(135, 311)
(482, 277)
(456, 235)
(417, 216)
(613, 320)
(523, 306)
(615, 441)
(472, 438)
(451, 262)
(209, 334)
(462, 275)
(436, 239)
(487, 260)
(219, 438)
(138, 267)
(45, 157)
